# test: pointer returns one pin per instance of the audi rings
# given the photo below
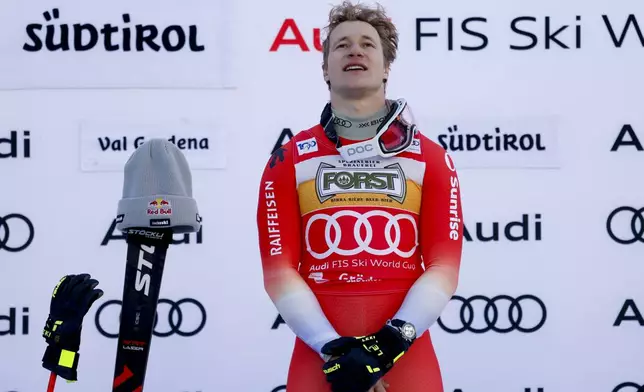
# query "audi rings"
(363, 244)
(636, 226)
(342, 122)
(629, 387)
(175, 325)
(6, 232)
(515, 319)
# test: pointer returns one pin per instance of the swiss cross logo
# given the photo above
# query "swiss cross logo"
(290, 34)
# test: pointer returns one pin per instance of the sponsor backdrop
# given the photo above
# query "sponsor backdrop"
(539, 105)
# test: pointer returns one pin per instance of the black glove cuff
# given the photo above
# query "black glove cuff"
(392, 339)
(63, 363)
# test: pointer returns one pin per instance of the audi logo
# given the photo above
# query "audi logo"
(636, 225)
(10, 228)
(342, 122)
(526, 313)
(175, 318)
(629, 387)
(363, 244)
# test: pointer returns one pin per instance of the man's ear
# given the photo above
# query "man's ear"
(325, 75)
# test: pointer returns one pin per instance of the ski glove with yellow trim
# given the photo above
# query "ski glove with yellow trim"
(359, 362)
(70, 301)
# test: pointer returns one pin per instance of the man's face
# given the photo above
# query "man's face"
(356, 61)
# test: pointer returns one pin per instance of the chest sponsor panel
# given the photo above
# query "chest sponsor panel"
(361, 174)
(331, 181)
(360, 245)
(366, 272)
(309, 201)
(338, 186)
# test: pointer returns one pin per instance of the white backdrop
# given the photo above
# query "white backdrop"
(234, 98)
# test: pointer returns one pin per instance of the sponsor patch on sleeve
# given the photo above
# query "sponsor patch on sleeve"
(415, 146)
(307, 146)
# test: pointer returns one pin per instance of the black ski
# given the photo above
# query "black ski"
(146, 252)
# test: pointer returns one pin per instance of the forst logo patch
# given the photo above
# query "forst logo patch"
(331, 181)
(159, 206)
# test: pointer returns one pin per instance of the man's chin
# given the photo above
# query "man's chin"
(357, 90)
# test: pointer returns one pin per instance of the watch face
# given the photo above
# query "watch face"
(409, 331)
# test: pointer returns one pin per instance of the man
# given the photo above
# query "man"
(360, 226)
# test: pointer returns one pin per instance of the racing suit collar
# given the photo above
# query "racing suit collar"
(395, 110)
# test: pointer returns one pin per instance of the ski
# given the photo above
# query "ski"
(146, 253)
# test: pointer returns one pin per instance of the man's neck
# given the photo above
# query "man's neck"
(361, 107)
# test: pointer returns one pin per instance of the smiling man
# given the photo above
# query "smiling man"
(360, 226)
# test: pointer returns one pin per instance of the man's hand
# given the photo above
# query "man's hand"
(351, 368)
(381, 386)
(391, 342)
(372, 356)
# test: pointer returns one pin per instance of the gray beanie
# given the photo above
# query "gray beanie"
(157, 190)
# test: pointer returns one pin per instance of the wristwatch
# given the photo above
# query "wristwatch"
(407, 330)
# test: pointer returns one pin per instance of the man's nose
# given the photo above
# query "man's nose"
(356, 50)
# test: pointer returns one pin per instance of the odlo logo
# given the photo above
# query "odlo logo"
(82, 37)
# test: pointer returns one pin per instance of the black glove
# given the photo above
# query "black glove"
(356, 369)
(367, 358)
(71, 299)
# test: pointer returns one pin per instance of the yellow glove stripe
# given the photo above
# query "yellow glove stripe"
(66, 358)
(58, 285)
(398, 356)
(372, 370)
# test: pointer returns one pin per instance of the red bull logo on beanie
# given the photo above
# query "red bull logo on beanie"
(159, 206)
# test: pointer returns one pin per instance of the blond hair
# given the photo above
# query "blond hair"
(376, 17)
